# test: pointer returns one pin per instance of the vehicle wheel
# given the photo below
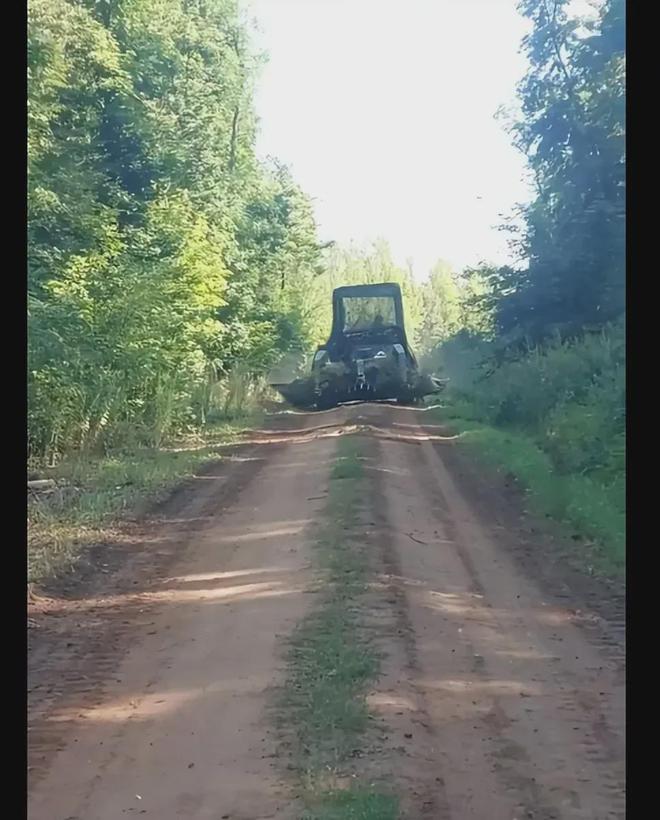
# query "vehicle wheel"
(403, 398)
(325, 402)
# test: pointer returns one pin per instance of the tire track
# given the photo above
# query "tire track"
(510, 689)
(502, 687)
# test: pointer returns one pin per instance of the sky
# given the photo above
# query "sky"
(384, 111)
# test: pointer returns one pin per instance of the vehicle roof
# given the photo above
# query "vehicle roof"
(382, 289)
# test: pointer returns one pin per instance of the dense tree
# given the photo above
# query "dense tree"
(161, 251)
(572, 130)
(275, 259)
(440, 306)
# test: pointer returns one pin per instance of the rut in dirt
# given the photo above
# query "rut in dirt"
(518, 709)
(502, 697)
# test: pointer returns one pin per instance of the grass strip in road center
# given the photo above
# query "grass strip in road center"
(331, 664)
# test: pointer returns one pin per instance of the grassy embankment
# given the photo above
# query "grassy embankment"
(97, 487)
(555, 420)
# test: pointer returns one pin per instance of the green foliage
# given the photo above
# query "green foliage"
(523, 391)
(102, 489)
(555, 417)
(534, 391)
(161, 253)
(572, 130)
(440, 305)
(590, 510)
(453, 306)
(275, 262)
(544, 359)
(331, 663)
(545, 372)
(354, 804)
(587, 434)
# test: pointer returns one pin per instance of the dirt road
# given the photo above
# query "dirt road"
(503, 679)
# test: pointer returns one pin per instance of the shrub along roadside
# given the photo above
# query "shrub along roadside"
(555, 419)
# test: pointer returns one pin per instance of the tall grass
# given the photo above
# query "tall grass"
(237, 395)
(113, 461)
(97, 490)
(103, 414)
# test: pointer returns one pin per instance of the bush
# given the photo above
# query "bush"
(555, 417)
(537, 390)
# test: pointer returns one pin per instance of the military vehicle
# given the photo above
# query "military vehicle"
(367, 356)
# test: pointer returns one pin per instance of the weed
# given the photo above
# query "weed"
(104, 489)
(581, 505)
(331, 664)
(554, 417)
(355, 804)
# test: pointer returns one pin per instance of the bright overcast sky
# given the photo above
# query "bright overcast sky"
(384, 111)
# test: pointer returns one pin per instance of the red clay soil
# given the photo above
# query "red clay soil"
(503, 679)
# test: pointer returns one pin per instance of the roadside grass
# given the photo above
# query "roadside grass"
(590, 512)
(322, 711)
(354, 804)
(99, 490)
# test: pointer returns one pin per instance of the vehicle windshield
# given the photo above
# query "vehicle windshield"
(368, 313)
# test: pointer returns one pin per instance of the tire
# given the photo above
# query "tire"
(408, 400)
(325, 402)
